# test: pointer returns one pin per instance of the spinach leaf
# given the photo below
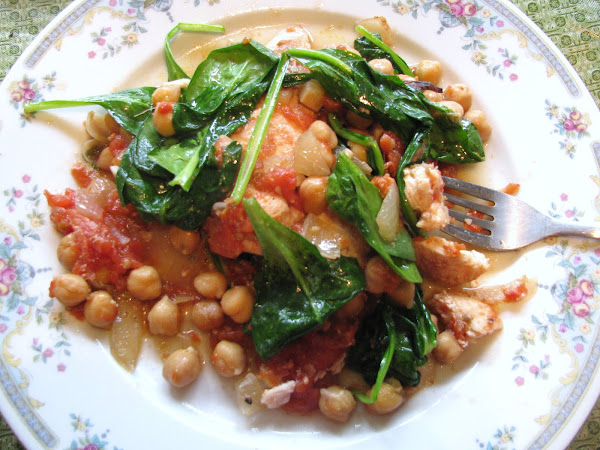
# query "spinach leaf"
(392, 103)
(221, 96)
(233, 113)
(174, 155)
(143, 182)
(130, 108)
(174, 71)
(374, 156)
(227, 72)
(393, 342)
(370, 46)
(386, 99)
(354, 198)
(297, 288)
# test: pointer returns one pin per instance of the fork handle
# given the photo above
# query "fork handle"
(558, 228)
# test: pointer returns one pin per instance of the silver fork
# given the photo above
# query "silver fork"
(512, 223)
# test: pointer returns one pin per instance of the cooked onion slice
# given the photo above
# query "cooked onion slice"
(126, 332)
(388, 217)
(248, 393)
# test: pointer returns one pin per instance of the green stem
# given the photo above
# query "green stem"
(51, 104)
(174, 71)
(321, 56)
(379, 43)
(384, 366)
(260, 131)
(375, 157)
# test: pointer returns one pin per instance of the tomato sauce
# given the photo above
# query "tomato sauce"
(107, 248)
(308, 361)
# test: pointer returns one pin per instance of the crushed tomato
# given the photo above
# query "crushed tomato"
(308, 360)
(107, 248)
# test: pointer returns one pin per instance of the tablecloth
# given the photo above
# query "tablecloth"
(573, 25)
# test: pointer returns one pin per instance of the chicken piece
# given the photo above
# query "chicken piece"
(292, 37)
(424, 189)
(278, 395)
(276, 206)
(494, 295)
(447, 262)
(465, 317)
(273, 181)
(290, 119)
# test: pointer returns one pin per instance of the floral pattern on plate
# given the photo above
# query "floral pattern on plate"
(29, 90)
(87, 439)
(570, 123)
(480, 24)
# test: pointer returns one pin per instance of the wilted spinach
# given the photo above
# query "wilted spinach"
(370, 46)
(374, 155)
(144, 183)
(393, 342)
(130, 108)
(174, 71)
(354, 198)
(297, 288)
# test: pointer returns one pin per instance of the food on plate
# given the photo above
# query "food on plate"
(272, 214)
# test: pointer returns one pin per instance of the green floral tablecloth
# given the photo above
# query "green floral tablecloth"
(573, 25)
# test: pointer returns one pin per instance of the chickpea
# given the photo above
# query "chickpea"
(69, 289)
(382, 65)
(168, 92)
(237, 303)
(379, 25)
(105, 159)
(390, 398)
(380, 277)
(359, 150)
(229, 358)
(68, 250)
(404, 295)
(406, 78)
(336, 403)
(144, 283)
(162, 118)
(459, 93)
(352, 308)
(480, 121)
(433, 96)
(376, 132)
(100, 309)
(324, 133)
(352, 380)
(457, 109)
(163, 318)
(429, 71)
(207, 315)
(184, 241)
(357, 121)
(210, 284)
(313, 192)
(182, 367)
(286, 96)
(434, 319)
(448, 348)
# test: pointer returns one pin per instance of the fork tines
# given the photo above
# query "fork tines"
(475, 191)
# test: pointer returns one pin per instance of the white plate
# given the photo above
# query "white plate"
(531, 385)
